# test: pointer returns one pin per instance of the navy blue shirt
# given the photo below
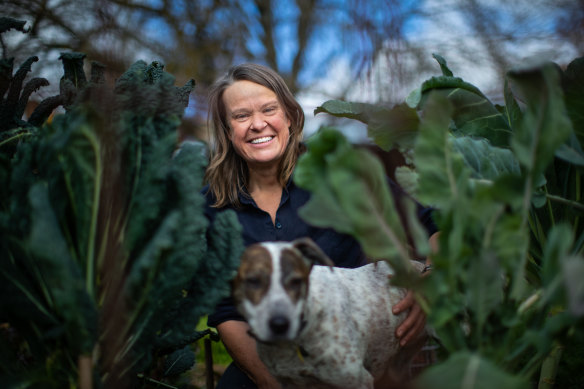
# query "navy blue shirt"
(257, 226)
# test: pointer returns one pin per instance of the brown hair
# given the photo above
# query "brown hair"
(227, 172)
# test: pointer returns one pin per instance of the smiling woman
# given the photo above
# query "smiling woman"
(238, 101)
(257, 126)
(260, 127)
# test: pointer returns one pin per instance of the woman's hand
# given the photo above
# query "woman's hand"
(414, 323)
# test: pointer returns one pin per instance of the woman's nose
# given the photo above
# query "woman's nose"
(257, 122)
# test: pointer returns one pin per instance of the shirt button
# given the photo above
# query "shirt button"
(278, 225)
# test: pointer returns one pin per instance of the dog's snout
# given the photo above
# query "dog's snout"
(279, 324)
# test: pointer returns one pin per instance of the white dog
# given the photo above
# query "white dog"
(320, 326)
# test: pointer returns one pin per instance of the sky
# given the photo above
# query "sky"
(467, 58)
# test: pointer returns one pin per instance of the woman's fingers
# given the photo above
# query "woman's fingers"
(414, 323)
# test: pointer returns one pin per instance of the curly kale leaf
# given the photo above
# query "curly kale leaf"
(7, 24)
(10, 105)
(95, 192)
(179, 361)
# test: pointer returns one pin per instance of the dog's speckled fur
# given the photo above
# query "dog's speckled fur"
(339, 332)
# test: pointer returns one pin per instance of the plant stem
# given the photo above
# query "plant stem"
(90, 275)
(549, 368)
(549, 205)
(158, 383)
(15, 137)
(570, 203)
(85, 366)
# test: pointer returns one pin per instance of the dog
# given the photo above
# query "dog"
(319, 326)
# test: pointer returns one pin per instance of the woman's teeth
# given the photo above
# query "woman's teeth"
(262, 140)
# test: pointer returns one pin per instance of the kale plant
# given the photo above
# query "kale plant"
(505, 295)
(107, 261)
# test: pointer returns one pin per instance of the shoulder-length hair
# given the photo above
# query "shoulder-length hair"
(227, 173)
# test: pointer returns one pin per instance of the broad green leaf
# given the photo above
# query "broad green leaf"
(512, 111)
(543, 128)
(396, 127)
(440, 169)
(389, 128)
(143, 273)
(473, 113)
(571, 151)
(544, 125)
(440, 82)
(407, 178)
(508, 235)
(466, 370)
(74, 154)
(573, 86)
(59, 273)
(486, 161)
(350, 185)
(345, 109)
(558, 244)
(485, 289)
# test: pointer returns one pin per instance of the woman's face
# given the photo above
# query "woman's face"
(258, 122)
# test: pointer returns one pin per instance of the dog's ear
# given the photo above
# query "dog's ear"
(312, 252)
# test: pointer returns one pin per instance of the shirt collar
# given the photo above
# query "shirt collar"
(245, 197)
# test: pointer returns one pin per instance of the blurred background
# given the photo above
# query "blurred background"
(359, 50)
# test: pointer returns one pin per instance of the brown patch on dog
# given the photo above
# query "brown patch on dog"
(252, 281)
(295, 273)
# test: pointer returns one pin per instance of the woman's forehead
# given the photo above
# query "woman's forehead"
(243, 93)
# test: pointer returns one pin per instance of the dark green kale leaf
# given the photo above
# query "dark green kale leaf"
(104, 243)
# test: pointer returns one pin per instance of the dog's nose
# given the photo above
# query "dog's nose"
(279, 324)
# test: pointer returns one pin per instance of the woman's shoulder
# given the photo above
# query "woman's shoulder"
(210, 210)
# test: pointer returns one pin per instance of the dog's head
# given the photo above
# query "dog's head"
(271, 286)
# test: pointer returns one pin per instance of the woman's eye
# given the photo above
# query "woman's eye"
(270, 110)
(241, 116)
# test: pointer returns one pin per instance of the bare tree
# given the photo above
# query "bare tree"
(300, 38)
(482, 39)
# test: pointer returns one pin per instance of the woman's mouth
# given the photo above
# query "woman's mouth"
(263, 139)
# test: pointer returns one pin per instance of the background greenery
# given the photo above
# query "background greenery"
(505, 296)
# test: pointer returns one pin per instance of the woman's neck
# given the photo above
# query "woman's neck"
(263, 179)
(266, 190)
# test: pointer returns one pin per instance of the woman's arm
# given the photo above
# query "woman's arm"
(242, 349)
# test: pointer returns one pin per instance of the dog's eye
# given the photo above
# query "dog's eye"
(253, 282)
(295, 282)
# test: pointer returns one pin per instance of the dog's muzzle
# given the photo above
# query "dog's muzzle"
(279, 325)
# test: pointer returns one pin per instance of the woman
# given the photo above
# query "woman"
(258, 126)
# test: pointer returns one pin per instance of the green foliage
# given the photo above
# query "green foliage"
(347, 183)
(105, 252)
(14, 95)
(179, 361)
(476, 373)
(505, 182)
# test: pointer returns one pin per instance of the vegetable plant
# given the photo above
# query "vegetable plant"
(505, 294)
(107, 261)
